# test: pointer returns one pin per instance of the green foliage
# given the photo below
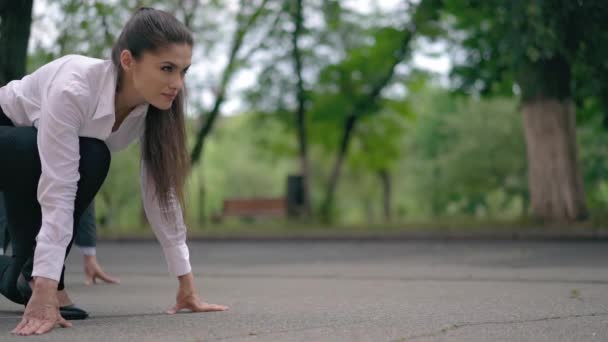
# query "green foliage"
(236, 164)
(88, 28)
(592, 140)
(453, 158)
(116, 204)
(447, 156)
(463, 152)
(506, 42)
(342, 86)
(377, 142)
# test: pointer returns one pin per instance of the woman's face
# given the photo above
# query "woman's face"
(159, 76)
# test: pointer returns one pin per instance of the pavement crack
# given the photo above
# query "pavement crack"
(452, 327)
(267, 333)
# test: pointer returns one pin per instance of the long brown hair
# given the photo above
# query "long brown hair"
(164, 144)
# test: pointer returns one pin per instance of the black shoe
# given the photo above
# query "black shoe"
(72, 312)
(68, 312)
(24, 289)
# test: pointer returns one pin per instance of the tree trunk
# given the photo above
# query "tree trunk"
(301, 111)
(385, 179)
(328, 203)
(554, 175)
(15, 22)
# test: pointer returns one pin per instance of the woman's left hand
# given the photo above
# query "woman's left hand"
(93, 271)
(188, 299)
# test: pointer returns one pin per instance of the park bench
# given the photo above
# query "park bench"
(256, 207)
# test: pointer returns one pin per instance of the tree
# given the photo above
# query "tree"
(346, 60)
(366, 85)
(540, 48)
(15, 23)
(247, 17)
(288, 76)
(377, 146)
(300, 115)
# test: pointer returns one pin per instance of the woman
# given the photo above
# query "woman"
(57, 126)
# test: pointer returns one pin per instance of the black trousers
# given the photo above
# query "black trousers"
(86, 231)
(19, 176)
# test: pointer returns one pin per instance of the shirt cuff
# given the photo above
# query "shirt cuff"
(48, 261)
(178, 259)
(88, 251)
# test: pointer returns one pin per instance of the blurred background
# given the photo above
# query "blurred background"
(361, 116)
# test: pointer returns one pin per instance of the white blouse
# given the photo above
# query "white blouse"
(68, 98)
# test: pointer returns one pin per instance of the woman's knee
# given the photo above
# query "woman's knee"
(94, 160)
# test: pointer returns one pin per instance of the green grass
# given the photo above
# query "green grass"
(281, 228)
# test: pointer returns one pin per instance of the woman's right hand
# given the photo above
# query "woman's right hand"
(42, 312)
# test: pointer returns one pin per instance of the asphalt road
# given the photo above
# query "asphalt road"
(347, 291)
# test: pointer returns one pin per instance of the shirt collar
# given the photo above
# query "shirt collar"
(105, 106)
(140, 110)
(107, 78)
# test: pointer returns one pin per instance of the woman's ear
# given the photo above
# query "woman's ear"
(126, 60)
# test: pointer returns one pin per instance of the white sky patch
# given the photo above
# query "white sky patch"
(440, 64)
(367, 6)
(43, 32)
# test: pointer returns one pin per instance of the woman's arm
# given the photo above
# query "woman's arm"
(58, 148)
(172, 237)
(170, 233)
